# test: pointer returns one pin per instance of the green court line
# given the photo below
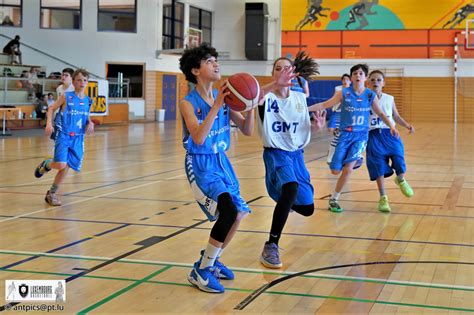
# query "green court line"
(125, 261)
(145, 280)
(122, 291)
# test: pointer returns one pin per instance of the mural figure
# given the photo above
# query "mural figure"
(314, 9)
(461, 15)
(359, 10)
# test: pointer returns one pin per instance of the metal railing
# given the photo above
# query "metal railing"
(119, 89)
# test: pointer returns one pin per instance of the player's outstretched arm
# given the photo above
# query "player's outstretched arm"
(283, 80)
(335, 99)
(399, 119)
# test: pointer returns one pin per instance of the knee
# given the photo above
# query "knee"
(304, 210)
(290, 190)
(61, 166)
(335, 172)
(227, 210)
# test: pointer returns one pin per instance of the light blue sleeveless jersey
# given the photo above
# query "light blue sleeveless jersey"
(74, 118)
(355, 109)
(218, 139)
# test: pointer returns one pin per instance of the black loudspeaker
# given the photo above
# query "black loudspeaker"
(256, 31)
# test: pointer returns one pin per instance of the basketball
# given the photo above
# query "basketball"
(244, 92)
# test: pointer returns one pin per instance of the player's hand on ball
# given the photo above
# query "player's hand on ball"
(223, 92)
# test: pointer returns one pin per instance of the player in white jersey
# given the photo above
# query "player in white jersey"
(382, 147)
(335, 119)
(285, 128)
(66, 82)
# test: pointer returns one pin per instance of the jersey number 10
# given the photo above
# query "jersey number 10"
(357, 120)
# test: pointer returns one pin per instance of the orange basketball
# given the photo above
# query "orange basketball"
(244, 92)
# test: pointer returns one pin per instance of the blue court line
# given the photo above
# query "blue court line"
(64, 246)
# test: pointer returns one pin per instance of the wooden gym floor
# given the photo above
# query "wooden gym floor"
(128, 231)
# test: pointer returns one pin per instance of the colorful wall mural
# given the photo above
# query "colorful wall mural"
(375, 28)
(375, 14)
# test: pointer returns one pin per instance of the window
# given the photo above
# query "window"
(10, 13)
(173, 29)
(202, 20)
(132, 75)
(61, 14)
(117, 15)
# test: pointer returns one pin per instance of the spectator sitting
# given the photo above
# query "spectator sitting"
(13, 49)
(30, 83)
(42, 107)
(50, 99)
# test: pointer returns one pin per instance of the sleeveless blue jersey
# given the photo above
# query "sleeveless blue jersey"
(73, 119)
(355, 109)
(218, 139)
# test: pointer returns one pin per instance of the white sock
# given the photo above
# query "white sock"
(400, 178)
(220, 253)
(335, 195)
(209, 256)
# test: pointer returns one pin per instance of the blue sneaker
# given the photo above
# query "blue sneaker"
(358, 163)
(41, 169)
(220, 270)
(205, 280)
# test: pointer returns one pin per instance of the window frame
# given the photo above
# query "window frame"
(135, 15)
(173, 19)
(199, 25)
(14, 6)
(41, 7)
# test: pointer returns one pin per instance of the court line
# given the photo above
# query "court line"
(122, 291)
(88, 199)
(249, 291)
(257, 231)
(108, 262)
(163, 156)
(245, 270)
(252, 297)
(66, 246)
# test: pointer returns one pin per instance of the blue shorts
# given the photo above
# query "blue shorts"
(282, 167)
(382, 148)
(209, 176)
(69, 150)
(349, 148)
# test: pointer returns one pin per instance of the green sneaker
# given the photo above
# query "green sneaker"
(334, 206)
(383, 205)
(407, 191)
